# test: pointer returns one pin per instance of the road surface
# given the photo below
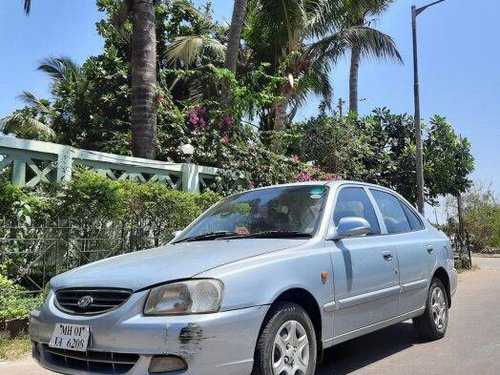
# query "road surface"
(471, 346)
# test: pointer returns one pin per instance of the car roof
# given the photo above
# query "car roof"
(334, 184)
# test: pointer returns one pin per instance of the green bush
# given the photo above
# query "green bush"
(92, 197)
(15, 301)
(18, 204)
(59, 227)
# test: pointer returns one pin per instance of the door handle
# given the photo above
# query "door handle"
(387, 256)
(430, 249)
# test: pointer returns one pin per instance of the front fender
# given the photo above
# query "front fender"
(261, 280)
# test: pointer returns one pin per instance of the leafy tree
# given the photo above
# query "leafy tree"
(481, 217)
(448, 159)
(380, 148)
(333, 144)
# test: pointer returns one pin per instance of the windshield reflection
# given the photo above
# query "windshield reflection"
(294, 210)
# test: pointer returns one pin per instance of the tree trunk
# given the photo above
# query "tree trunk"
(143, 79)
(233, 44)
(353, 80)
(279, 114)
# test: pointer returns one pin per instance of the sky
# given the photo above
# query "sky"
(459, 61)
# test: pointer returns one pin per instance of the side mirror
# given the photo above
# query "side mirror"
(352, 227)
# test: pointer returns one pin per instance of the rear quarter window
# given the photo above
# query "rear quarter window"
(413, 219)
(393, 214)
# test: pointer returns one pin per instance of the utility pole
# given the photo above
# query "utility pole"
(416, 118)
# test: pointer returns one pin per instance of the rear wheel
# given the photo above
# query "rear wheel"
(287, 344)
(432, 324)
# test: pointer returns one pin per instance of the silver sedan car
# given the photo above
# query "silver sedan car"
(261, 283)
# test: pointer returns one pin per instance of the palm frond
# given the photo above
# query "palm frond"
(190, 47)
(323, 16)
(59, 68)
(27, 6)
(17, 123)
(31, 100)
(371, 43)
(315, 81)
(365, 8)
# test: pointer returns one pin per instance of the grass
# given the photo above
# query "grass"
(12, 349)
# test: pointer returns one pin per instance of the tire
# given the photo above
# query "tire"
(432, 324)
(290, 355)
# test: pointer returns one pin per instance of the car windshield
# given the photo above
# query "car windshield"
(288, 211)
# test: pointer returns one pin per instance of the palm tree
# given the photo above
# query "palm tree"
(359, 13)
(38, 119)
(143, 67)
(233, 44)
(185, 50)
(32, 122)
(301, 40)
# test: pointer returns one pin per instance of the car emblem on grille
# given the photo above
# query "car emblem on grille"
(85, 302)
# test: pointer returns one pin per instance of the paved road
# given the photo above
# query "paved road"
(471, 346)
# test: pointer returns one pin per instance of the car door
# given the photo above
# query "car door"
(415, 251)
(365, 268)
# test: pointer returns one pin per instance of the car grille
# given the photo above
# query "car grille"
(92, 361)
(102, 300)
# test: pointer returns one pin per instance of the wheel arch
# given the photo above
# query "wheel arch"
(441, 274)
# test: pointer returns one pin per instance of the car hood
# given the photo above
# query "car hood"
(144, 268)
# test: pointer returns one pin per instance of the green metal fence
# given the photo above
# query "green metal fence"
(32, 254)
(33, 162)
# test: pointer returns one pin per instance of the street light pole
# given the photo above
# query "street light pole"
(416, 118)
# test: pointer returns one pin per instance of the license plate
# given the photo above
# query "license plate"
(70, 336)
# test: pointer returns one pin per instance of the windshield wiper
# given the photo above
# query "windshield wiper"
(274, 234)
(208, 236)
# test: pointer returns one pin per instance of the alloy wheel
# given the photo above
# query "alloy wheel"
(290, 350)
(438, 308)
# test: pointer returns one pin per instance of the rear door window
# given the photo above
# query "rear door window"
(392, 212)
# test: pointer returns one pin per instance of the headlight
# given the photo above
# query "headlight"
(185, 297)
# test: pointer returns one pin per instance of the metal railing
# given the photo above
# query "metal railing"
(33, 162)
(32, 254)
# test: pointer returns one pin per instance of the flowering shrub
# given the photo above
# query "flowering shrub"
(197, 119)
(304, 176)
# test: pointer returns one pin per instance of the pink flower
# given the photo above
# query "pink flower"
(193, 119)
(294, 158)
(330, 177)
(304, 176)
(196, 117)
(225, 140)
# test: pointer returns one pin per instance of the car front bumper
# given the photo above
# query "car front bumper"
(211, 344)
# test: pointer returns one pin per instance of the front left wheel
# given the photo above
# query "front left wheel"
(287, 344)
